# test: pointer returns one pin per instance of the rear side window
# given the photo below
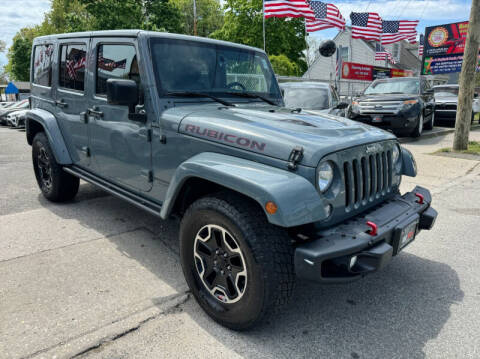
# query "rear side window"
(73, 58)
(117, 62)
(42, 65)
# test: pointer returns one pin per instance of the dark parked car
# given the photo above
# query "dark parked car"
(401, 105)
(312, 97)
(197, 128)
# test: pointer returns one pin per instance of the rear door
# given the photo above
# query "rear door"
(70, 99)
(121, 148)
(428, 99)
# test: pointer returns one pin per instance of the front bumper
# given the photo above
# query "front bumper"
(400, 122)
(348, 251)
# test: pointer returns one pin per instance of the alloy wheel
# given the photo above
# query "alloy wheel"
(220, 263)
(45, 169)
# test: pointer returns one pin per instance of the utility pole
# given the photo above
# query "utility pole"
(466, 81)
(194, 17)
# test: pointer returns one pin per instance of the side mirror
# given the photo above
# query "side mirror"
(475, 95)
(122, 92)
(342, 105)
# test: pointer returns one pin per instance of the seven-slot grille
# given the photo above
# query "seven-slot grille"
(366, 178)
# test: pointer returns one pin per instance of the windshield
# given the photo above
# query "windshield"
(306, 98)
(446, 91)
(192, 66)
(394, 87)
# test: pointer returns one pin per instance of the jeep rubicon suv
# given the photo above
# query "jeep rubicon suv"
(195, 127)
(402, 105)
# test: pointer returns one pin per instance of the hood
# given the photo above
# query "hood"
(274, 132)
(387, 98)
(446, 99)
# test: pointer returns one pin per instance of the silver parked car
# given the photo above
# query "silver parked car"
(20, 105)
(312, 97)
(446, 100)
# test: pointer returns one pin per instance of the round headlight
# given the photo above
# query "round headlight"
(395, 154)
(325, 176)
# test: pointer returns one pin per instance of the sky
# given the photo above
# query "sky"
(15, 14)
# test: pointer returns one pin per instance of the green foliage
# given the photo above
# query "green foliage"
(209, 16)
(243, 24)
(283, 66)
(159, 15)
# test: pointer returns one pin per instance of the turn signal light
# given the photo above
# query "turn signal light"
(410, 102)
(271, 207)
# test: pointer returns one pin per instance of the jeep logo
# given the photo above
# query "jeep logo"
(375, 147)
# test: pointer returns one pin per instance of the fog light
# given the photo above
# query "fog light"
(353, 260)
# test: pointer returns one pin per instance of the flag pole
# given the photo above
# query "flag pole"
(263, 18)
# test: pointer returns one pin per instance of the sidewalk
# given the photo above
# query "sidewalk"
(439, 172)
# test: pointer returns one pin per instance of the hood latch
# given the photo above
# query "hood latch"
(294, 158)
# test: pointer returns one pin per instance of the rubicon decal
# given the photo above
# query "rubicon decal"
(225, 137)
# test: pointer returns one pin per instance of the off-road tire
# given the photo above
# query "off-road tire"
(61, 186)
(267, 251)
(418, 130)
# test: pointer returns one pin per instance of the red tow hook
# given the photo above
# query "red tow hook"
(373, 230)
(420, 198)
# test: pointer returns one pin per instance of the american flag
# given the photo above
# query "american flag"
(381, 54)
(108, 64)
(398, 30)
(420, 45)
(288, 8)
(326, 16)
(366, 25)
(75, 64)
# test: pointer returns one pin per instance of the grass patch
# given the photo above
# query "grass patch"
(473, 149)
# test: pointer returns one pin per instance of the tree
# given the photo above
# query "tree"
(243, 24)
(209, 16)
(283, 66)
(159, 15)
(18, 55)
(467, 86)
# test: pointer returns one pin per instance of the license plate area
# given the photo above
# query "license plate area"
(405, 234)
(377, 119)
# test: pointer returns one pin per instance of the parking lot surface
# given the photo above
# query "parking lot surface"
(99, 278)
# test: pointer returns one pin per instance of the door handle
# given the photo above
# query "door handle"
(94, 112)
(60, 103)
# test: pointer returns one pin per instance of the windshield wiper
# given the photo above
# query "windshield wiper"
(251, 95)
(198, 94)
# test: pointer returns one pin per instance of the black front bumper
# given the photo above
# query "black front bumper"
(350, 250)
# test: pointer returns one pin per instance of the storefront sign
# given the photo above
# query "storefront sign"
(445, 39)
(355, 71)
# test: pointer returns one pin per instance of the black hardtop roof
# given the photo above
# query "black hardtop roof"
(136, 33)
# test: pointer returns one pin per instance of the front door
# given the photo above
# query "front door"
(121, 148)
(70, 100)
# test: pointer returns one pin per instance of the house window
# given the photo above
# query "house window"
(343, 53)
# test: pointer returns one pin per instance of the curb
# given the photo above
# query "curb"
(442, 132)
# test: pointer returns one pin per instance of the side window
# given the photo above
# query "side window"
(73, 58)
(116, 62)
(42, 65)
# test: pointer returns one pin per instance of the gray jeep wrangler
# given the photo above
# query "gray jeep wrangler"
(196, 128)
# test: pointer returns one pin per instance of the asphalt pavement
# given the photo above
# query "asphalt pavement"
(99, 278)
